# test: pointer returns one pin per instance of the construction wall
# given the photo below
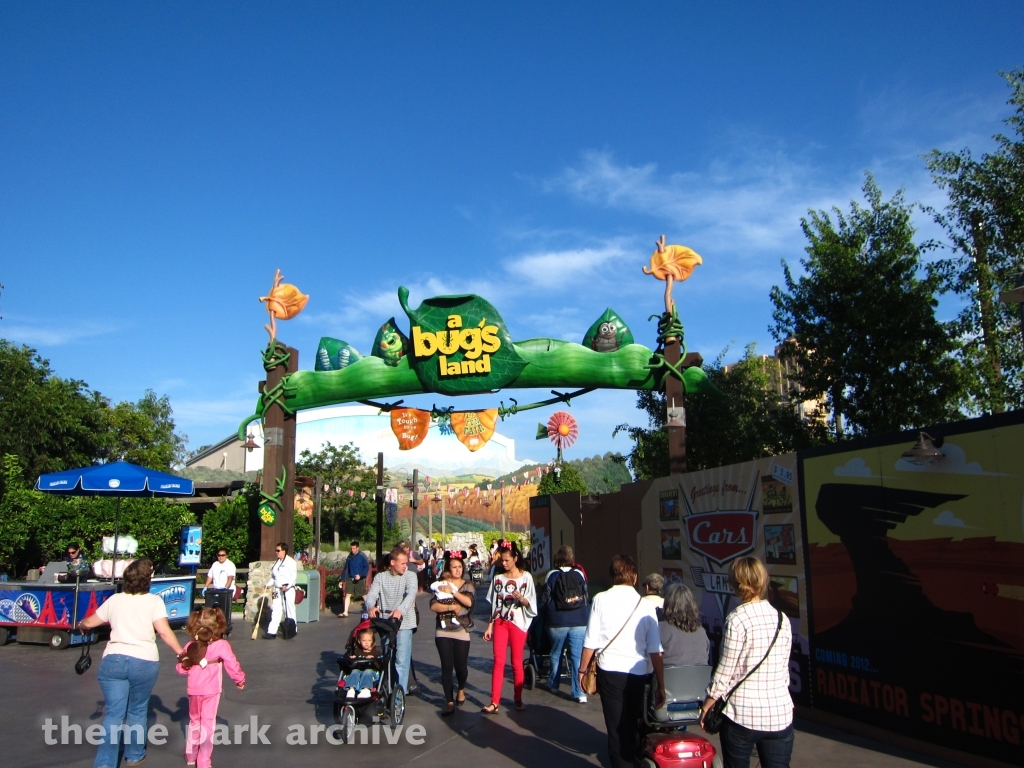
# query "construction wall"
(695, 525)
(917, 585)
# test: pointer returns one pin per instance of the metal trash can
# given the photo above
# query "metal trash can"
(309, 609)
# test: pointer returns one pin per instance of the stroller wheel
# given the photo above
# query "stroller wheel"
(347, 722)
(531, 677)
(396, 706)
(648, 763)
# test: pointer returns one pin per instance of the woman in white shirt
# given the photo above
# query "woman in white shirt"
(760, 711)
(130, 663)
(513, 599)
(623, 630)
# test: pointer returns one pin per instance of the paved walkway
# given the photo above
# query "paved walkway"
(291, 684)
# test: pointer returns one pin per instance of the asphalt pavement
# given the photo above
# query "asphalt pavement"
(290, 692)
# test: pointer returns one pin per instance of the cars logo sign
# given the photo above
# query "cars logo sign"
(721, 536)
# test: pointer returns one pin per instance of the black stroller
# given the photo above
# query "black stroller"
(537, 664)
(387, 698)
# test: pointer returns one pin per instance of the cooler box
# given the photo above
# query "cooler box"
(309, 609)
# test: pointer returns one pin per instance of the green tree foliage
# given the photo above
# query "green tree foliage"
(50, 423)
(36, 527)
(984, 224)
(568, 478)
(342, 470)
(861, 321)
(302, 534)
(143, 433)
(234, 526)
(751, 421)
(603, 474)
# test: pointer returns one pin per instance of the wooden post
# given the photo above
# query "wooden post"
(278, 453)
(675, 397)
(414, 502)
(380, 506)
(316, 529)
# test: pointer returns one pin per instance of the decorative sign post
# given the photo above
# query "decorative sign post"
(277, 493)
(673, 263)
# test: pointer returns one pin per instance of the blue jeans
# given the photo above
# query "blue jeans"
(361, 678)
(575, 637)
(774, 748)
(403, 657)
(126, 683)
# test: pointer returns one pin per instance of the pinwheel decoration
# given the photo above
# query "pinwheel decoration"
(562, 431)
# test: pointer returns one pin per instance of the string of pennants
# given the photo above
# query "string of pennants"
(472, 428)
(393, 496)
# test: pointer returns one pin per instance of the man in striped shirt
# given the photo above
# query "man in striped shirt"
(393, 593)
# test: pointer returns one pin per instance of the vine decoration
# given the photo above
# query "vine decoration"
(670, 328)
(270, 503)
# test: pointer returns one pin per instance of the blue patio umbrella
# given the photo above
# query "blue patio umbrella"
(118, 479)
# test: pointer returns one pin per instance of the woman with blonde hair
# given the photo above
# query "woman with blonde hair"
(753, 675)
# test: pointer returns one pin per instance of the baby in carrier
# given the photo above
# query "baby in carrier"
(366, 665)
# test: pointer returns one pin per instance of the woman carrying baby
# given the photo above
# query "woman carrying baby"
(452, 605)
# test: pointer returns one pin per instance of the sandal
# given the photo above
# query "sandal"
(520, 707)
(490, 709)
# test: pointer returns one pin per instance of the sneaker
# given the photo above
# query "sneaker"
(268, 636)
(364, 694)
(582, 699)
(351, 693)
(137, 762)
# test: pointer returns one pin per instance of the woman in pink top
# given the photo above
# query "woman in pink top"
(202, 661)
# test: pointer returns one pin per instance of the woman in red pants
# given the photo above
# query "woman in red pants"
(513, 600)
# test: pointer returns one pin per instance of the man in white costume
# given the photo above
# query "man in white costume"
(282, 580)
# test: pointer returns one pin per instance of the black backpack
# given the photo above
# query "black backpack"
(569, 592)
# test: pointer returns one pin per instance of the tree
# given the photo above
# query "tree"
(143, 433)
(50, 423)
(861, 322)
(342, 470)
(984, 222)
(567, 479)
(233, 525)
(36, 527)
(749, 421)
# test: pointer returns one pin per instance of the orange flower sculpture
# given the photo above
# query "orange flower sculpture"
(672, 263)
(284, 302)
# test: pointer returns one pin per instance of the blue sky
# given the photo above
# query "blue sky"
(159, 161)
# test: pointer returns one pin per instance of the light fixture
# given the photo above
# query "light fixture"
(250, 444)
(925, 451)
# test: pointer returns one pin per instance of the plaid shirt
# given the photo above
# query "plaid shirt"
(762, 703)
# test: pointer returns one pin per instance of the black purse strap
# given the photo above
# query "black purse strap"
(778, 629)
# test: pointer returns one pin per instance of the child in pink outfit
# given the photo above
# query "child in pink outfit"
(202, 660)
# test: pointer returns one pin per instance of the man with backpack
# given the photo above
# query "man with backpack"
(566, 614)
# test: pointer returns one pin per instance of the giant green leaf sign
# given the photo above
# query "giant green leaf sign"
(460, 345)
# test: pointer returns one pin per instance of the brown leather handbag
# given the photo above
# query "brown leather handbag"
(590, 676)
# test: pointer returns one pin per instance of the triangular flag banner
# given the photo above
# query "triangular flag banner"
(410, 426)
(362, 494)
(351, 493)
(474, 428)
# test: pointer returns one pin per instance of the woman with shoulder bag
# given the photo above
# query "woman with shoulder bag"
(748, 698)
(452, 605)
(619, 648)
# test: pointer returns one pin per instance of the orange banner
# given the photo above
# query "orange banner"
(474, 428)
(410, 426)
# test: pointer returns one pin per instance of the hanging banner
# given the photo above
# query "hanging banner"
(410, 426)
(474, 428)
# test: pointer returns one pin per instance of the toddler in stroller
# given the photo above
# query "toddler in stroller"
(667, 744)
(365, 664)
(369, 678)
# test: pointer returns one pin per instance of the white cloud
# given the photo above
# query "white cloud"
(854, 468)
(552, 268)
(953, 462)
(747, 205)
(946, 517)
(37, 335)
